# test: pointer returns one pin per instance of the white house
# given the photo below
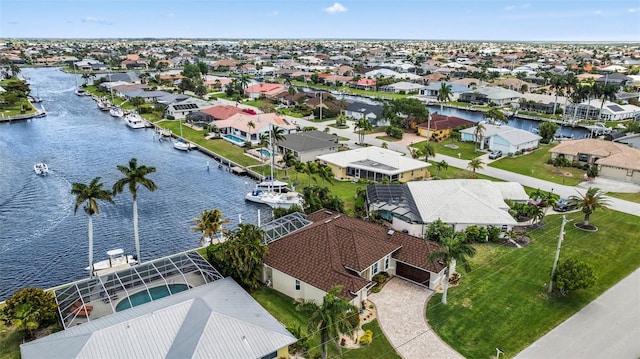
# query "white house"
(507, 139)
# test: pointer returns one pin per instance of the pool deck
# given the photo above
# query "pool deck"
(102, 308)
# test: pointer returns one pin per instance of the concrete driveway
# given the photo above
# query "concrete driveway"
(400, 308)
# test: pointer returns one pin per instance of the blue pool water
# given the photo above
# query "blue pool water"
(264, 152)
(235, 139)
(156, 293)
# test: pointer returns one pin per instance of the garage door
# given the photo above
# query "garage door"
(414, 274)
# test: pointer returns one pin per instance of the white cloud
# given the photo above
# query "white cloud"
(510, 7)
(335, 8)
(95, 20)
(632, 10)
(171, 14)
(513, 7)
(598, 12)
(273, 13)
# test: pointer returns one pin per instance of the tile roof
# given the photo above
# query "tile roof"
(222, 112)
(441, 122)
(326, 253)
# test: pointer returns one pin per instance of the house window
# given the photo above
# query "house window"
(297, 284)
(387, 262)
(374, 268)
(504, 228)
(270, 356)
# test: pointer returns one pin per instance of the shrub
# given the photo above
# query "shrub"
(376, 289)
(477, 234)
(380, 278)
(354, 319)
(561, 162)
(574, 274)
(366, 338)
(31, 306)
(494, 233)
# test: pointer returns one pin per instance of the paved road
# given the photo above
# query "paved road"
(609, 327)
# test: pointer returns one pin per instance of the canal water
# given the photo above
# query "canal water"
(43, 243)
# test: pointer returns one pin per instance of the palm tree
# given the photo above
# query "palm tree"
(495, 114)
(310, 168)
(475, 164)
(299, 166)
(442, 165)
(325, 173)
(251, 125)
(209, 223)
(608, 93)
(444, 94)
(385, 145)
(134, 176)
(453, 250)
(329, 318)
(478, 132)
(363, 125)
(557, 84)
(243, 254)
(428, 151)
(244, 81)
(593, 199)
(288, 160)
(91, 194)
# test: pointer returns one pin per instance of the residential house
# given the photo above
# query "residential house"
(487, 95)
(441, 126)
(617, 79)
(335, 249)
(307, 145)
(461, 203)
(612, 111)
(248, 128)
(373, 113)
(181, 107)
(631, 140)
(433, 89)
(214, 113)
(402, 88)
(375, 164)
(507, 139)
(364, 84)
(267, 90)
(614, 160)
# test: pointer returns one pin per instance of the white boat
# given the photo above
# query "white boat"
(272, 195)
(183, 145)
(104, 105)
(41, 169)
(116, 111)
(270, 183)
(81, 92)
(134, 120)
(117, 260)
(275, 199)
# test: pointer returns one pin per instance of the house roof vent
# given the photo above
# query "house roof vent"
(390, 232)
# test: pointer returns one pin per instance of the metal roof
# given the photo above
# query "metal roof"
(215, 320)
(102, 292)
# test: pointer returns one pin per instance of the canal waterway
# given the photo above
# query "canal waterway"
(43, 243)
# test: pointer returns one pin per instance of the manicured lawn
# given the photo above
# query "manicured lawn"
(465, 149)
(219, 146)
(453, 172)
(534, 164)
(283, 308)
(632, 197)
(9, 343)
(503, 301)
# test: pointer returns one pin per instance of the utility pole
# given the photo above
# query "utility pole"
(555, 261)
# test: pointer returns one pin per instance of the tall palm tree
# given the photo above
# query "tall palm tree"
(474, 165)
(288, 160)
(299, 166)
(244, 81)
(442, 165)
(363, 125)
(608, 93)
(557, 83)
(444, 94)
(478, 133)
(453, 250)
(570, 85)
(593, 199)
(134, 176)
(209, 224)
(325, 173)
(329, 318)
(428, 151)
(90, 195)
(310, 168)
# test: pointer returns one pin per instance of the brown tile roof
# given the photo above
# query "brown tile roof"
(611, 153)
(440, 122)
(222, 112)
(325, 253)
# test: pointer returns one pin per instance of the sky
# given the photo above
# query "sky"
(498, 20)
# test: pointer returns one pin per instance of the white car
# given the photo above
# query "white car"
(495, 154)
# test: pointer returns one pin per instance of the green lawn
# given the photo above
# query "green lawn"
(632, 197)
(9, 343)
(283, 308)
(466, 150)
(534, 164)
(503, 301)
(453, 172)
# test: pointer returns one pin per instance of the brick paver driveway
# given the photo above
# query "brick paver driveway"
(400, 308)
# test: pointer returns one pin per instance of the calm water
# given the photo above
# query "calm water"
(42, 242)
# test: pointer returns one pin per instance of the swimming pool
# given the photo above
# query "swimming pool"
(264, 152)
(156, 293)
(234, 139)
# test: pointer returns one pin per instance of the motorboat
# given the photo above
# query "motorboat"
(134, 120)
(104, 105)
(183, 145)
(275, 199)
(117, 259)
(116, 111)
(41, 169)
(81, 92)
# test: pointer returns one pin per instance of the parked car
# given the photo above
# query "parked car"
(563, 205)
(495, 154)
